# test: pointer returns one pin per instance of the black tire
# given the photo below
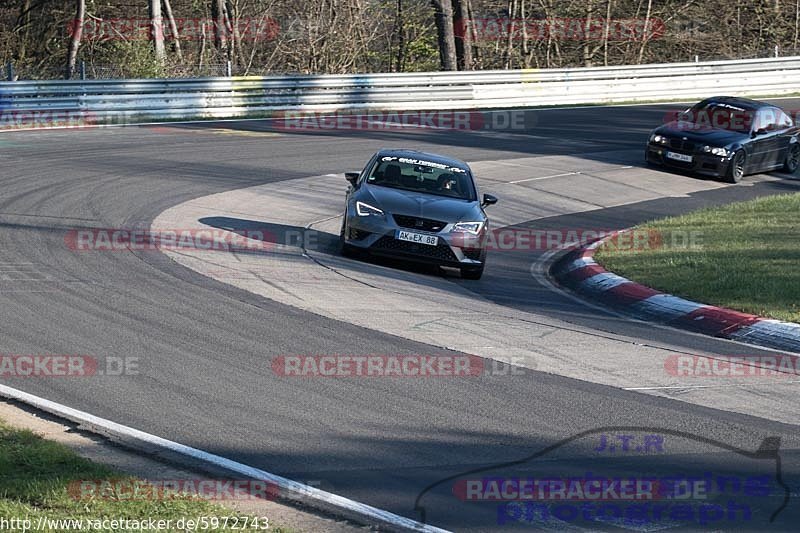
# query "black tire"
(472, 273)
(792, 162)
(736, 167)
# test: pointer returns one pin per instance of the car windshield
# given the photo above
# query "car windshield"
(422, 176)
(717, 115)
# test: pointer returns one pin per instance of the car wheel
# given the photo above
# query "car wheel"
(736, 167)
(472, 273)
(792, 159)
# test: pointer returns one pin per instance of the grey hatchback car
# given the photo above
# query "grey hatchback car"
(417, 206)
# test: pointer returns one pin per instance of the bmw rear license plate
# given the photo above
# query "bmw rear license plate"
(679, 157)
(419, 238)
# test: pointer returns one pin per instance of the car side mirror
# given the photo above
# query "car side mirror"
(488, 199)
(762, 131)
(352, 177)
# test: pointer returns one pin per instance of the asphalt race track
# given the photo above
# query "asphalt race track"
(204, 347)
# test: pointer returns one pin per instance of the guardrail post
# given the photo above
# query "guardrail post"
(83, 70)
(10, 71)
(696, 59)
(777, 49)
(228, 71)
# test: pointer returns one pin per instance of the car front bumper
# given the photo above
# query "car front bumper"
(377, 235)
(702, 163)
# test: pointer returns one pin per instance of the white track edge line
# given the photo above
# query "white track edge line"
(295, 489)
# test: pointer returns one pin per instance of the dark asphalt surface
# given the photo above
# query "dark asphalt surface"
(204, 348)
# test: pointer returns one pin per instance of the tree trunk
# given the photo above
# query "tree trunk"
(444, 29)
(588, 53)
(173, 28)
(463, 38)
(75, 40)
(646, 35)
(401, 37)
(157, 31)
(220, 29)
(25, 21)
(796, 22)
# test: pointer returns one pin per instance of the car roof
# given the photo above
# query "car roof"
(426, 156)
(744, 103)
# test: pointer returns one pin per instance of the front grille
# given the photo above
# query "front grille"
(680, 144)
(423, 224)
(440, 251)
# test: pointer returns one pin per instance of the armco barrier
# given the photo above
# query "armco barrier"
(119, 101)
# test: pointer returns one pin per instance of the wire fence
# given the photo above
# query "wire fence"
(92, 71)
(761, 54)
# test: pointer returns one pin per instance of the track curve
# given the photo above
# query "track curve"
(204, 346)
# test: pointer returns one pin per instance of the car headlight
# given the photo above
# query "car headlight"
(714, 150)
(468, 227)
(365, 210)
(658, 139)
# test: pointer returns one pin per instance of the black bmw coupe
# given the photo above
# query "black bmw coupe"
(727, 137)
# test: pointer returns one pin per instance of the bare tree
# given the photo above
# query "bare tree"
(344, 36)
(646, 35)
(157, 31)
(463, 37)
(401, 38)
(443, 13)
(75, 38)
(218, 13)
(796, 23)
(173, 28)
(24, 21)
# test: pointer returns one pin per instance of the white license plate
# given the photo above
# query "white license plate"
(419, 238)
(679, 157)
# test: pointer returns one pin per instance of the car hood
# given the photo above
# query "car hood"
(710, 136)
(413, 203)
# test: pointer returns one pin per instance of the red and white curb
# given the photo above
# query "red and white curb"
(579, 271)
(288, 489)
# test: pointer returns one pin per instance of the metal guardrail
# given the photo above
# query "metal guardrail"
(137, 100)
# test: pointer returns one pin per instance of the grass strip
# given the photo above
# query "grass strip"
(744, 256)
(41, 479)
